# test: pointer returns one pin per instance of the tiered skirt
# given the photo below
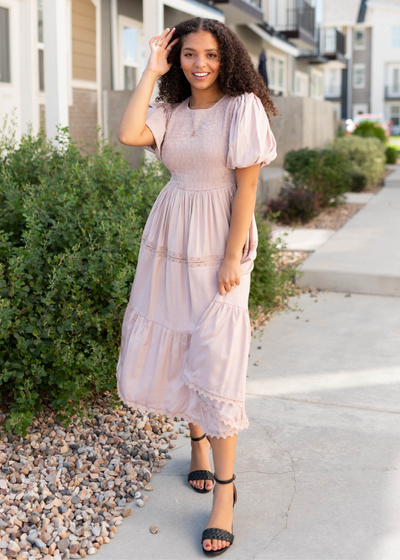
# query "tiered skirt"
(184, 347)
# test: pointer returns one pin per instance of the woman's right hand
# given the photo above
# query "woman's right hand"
(159, 52)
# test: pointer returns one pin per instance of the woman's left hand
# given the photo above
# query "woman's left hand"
(228, 275)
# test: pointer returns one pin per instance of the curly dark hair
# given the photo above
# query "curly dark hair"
(237, 73)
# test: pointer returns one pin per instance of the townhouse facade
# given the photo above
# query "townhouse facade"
(76, 62)
(371, 81)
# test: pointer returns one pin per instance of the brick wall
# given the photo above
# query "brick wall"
(83, 119)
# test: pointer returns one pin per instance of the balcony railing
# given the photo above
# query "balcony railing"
(392, 91)
(301, 18)
(333, 91)
(333, 41)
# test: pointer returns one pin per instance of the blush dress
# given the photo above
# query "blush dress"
(184, 347)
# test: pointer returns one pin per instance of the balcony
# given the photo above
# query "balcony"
(392, 92)
(300, 26)
(241, 11)
(333, 92)
(332, 44)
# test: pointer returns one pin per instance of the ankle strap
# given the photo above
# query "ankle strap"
(225, 481)
(198, 438)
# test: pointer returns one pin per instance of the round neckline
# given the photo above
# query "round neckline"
(208, 109)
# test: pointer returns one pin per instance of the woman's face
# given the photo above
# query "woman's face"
(200, 55)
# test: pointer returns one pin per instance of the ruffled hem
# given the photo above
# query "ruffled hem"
(186, 417)
(211, 395)
(159, 355)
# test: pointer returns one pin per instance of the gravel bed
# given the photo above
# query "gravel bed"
(65, 491)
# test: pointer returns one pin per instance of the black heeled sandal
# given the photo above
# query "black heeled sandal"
(200, 475)
(219, 534)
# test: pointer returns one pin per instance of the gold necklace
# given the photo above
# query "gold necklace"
(195, 129)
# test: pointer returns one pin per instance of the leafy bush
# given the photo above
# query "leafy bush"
(368, 129)
(359, 181)
(271, 284)
(325, 171)
(365, 155)
(295, 204)
(70, 229)
(391, 154)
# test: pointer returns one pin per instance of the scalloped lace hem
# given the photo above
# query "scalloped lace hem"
(186, 417)
(211, 396)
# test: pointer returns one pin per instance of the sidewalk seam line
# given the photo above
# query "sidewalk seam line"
(324, 403)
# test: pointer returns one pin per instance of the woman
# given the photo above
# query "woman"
(186, 331)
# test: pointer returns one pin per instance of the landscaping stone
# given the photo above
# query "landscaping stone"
(64, 490)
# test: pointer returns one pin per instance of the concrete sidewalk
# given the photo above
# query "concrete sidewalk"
(364, 256)
(318, 470)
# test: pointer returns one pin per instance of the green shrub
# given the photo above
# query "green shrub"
(324, 171)
(294, 205)
(391, 154)
(368, 129)
(365, 155)
(70, 230)
(359, 181)
(271, 285)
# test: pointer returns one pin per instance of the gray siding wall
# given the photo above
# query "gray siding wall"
(363, 56)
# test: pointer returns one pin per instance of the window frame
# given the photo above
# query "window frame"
(364, 35)
(359, 66)
(40, 48)
(391, 117)
(301, 78)
(318, 92)
(9, 81)
(332, 87)
(393, 38)
(273, 72)
(124, 21)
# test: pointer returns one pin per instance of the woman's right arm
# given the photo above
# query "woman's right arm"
(132, 130)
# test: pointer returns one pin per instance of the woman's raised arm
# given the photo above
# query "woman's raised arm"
(132, 129)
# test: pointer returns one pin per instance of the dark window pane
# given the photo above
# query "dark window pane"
(129, 77)
(4, 46)
(40, 20)
(41, 70)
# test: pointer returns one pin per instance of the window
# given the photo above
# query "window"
(40, 44)
(130, 56)
(359, 75)
(301, 84)
(280, 74)
(396, 37)
(333, 84)
(395, 80)
(276, 73)
(395, 114)
(4, 46)
(359, 39)
(316, 85)
(271, 77)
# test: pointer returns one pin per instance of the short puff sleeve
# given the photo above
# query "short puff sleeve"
(251, 140)
(156, 120)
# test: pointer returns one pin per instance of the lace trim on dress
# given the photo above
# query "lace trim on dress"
(235, 426)
(161, 251)
(147, 409)
(212, 396)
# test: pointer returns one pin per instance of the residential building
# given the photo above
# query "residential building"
(371, 83)
(76, 62)
(384, 20)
